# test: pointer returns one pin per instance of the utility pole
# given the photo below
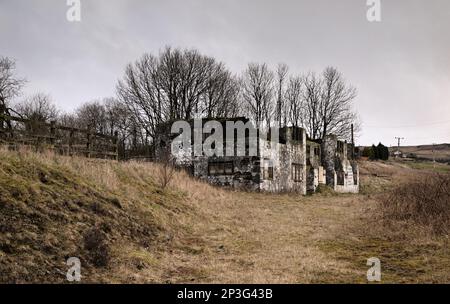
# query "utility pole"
(280, 123)
(398, 145)
(434, 158)
(353, 145)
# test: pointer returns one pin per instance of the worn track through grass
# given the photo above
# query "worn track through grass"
(266, 238)
(193, 232)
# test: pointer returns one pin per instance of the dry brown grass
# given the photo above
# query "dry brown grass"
(49, 203)
(423, 201)
(193, 232)
(410, 252)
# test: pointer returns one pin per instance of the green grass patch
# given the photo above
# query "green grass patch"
(429, 166)
(401, 261)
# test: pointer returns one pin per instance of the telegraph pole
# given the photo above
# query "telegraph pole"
(353, 145)
(398, 145)
(434, 158)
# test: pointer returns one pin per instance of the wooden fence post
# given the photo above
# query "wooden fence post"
(116, 143)
(2, 121)
(52, 132)
(2, 112)
(71, 141)
(88, 145)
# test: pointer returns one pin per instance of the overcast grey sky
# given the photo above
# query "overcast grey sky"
(400, 66)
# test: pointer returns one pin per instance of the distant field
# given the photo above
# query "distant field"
(430, 166)
(441, 152)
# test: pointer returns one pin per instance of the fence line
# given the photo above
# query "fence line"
(62, 139)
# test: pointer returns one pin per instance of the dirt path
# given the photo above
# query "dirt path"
(261, 238)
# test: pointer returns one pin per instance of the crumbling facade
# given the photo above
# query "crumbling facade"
(289, 163)
(342, 172)
(314, 169)
(283, 163)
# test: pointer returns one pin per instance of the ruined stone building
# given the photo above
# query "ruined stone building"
(292, 163)
(342, 171)
(315, 173)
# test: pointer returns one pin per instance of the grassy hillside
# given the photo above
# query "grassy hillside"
(125, 228)
(440, 152)
(56, 207)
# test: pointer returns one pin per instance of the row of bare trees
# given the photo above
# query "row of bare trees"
(183, 84)
(322, 104)
(111, 117)
(107, 116)
(177, 84)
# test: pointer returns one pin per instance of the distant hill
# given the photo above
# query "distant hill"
(441, 151)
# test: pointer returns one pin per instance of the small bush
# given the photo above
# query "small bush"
(424, 201)
(166, 171)
(95, 242)
(367, 152)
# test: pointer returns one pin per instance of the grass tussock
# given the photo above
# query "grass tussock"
(423, 201)
(95, 242)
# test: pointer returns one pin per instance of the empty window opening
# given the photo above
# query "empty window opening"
(297, 172)
(296, 134)
(317, 151)
(340, 147)
(268, 170)
(220, 168)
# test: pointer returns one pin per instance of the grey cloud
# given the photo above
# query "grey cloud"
(400, 65)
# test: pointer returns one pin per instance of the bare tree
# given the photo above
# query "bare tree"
(38, 107)
(92, 116)
(221, 95)
(281, 116)
(336, 105)
(112, 117)
(195, 73)
(141, 92)
(184, 78)
(257, 93)
(68, 120)
(312, 98)
(117, 117)
(294, 101)
(120, 121)
(177, 84)
(10, 85)
(328, 105)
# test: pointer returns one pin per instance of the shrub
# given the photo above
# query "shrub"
(383, 152)
(166, 171)
(367, 152)
(424, 201)
(377, 152)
